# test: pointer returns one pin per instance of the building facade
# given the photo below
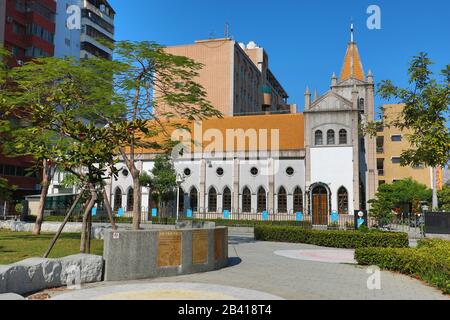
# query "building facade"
(391, 142)
(93, 33)
(236, 77)
(314, 162)
(97, 29)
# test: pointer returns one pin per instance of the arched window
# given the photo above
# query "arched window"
(193, 200)
(331, 137)
(343, 201)
(117, 199)
(130, 200)
(212, 200)
(226, 199)
(298, 200)
(343, 136)
(262, 200)
(246, 200)
(282, 200)
(319, 138)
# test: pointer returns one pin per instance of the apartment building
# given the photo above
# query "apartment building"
(391, 142)
(236, 77)
(97, 29)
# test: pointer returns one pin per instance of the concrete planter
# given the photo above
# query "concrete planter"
(133, 255)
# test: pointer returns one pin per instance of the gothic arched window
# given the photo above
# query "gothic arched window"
(193, 200)
(331, 140)
(117, 199)
(343, 136)
(246, 200)
(318, 138)
(130, 199)
(226, 199)
(212, 200)
(343, 201)
(282, 200)
(262, 200)
(298, 200)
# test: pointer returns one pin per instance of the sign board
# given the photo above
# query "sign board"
(154, 212)
(94, 211)
(120, 212)
(334, 217)
(299, 216)
(361, 219)
(265, 216)
(226, 214)
(189, 213)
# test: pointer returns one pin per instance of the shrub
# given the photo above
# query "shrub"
(329, 238)
(429, 262)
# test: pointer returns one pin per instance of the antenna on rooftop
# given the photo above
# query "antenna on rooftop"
(227, 30)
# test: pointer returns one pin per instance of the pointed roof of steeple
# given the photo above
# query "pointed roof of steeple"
(352, 67)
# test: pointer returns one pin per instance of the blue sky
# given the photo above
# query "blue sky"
(305, 40)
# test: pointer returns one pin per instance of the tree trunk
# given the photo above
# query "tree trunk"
(47, 175)
(136, 202)
(86, 214)
(109, 209)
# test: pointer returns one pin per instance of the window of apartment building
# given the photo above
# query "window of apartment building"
(35, 52)
(18, 29)
(396, 160)
(396, 138)
(36, 30)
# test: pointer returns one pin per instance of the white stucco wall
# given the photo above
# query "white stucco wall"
(334, 167)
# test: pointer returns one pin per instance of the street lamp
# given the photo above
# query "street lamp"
(180, 180)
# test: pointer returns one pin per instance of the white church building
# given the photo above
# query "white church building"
(313, 162)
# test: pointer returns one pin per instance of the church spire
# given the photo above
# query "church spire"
(352, 68)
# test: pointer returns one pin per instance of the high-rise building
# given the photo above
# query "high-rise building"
(27, 28)
(97, 29)
(92, 36)
(236, 77)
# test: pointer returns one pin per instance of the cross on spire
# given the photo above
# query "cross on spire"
(352, 29)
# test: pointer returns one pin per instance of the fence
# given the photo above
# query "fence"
(437, 222)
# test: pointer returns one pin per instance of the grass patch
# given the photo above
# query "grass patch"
(331, 238)
(430, 261)
(17, 246)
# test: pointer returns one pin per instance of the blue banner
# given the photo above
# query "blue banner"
(154, 212)
(189, 213)
(94, 211)
(334, 217)
(265, 216)
(226, 214)
(299, 216)
(120, 212)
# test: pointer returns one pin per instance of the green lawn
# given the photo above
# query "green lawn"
(17, 246)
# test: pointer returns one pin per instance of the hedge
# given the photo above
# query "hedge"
(331, 238)
(429, 262)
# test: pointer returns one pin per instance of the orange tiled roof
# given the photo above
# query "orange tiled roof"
(352, 64)
(290, 126)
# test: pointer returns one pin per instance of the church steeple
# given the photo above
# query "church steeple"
(352, 63)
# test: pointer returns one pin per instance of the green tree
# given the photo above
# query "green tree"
(444, 198)
(401, 196)
(162, 181)
(155, 87)
(426, 115)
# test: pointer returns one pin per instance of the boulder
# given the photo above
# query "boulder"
(37, 274)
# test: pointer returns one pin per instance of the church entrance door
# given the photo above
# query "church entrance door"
(320, 206)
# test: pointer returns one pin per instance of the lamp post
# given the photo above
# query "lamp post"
(180, 180)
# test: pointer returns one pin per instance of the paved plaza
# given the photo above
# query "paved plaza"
(259, 267)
